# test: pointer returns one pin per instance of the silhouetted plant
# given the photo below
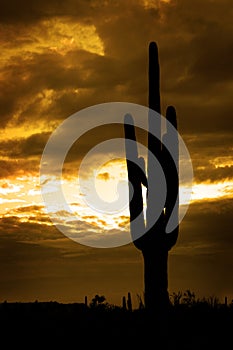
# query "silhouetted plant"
(141, 304)
(124, 303)
(98, 301)
(129, 302)
(189, 298)
(176, 298)
(213, 301)
(193, 327)
(155, 243)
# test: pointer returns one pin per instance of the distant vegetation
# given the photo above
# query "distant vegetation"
(191, 323)
(181, 299)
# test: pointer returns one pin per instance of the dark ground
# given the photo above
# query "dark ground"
(50, 325)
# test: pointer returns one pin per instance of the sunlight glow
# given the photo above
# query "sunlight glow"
(204, 191)
(21, 197)
(107, 179)
(58, 35)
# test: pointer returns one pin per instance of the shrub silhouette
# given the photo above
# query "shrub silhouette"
(176, 297)
(189, 298)
(98, 301)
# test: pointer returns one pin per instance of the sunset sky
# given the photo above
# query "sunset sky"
(59, 57)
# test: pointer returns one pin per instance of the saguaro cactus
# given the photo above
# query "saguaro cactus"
(155, 242)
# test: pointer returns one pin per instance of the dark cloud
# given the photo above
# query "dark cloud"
(44, 73)
(27, 231)
(18, 167)
(38, 89)
(207, 227)
(30, 208)
(22, 155)
(32, 11)
(211, 156)
(25, 147)
(211, 173)
(195, 50)
(59, 85)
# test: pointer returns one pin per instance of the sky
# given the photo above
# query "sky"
(61, 57)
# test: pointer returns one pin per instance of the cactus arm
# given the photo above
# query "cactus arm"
(135, 178)
(171, 170)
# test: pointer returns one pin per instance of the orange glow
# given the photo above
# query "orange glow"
(21, 196)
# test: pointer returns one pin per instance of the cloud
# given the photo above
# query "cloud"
(54, 83)
(15, 167)
(31, 146)
(211, 155)
(196, 80)
(205, 228)
(38, 262)
(31, 11)
(103, 176)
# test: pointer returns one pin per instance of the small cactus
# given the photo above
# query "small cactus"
(124, 303)
(129, 302)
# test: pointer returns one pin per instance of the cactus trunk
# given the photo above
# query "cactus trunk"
(156, 280)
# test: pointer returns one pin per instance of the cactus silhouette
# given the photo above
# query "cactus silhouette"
(155, 242)
(129, 302)
(124, 307)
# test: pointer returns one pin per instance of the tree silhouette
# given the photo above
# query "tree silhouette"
(97, 301)
(156, 242)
